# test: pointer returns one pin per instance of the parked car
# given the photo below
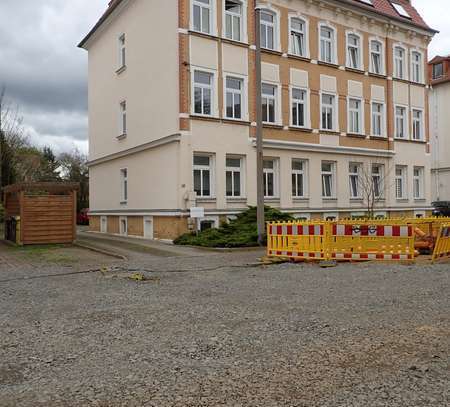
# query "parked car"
(83, 217)
(441, 208)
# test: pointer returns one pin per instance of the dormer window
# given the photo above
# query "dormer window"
(438, 70)
(401, 10)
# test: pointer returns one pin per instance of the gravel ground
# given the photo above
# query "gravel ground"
(220, 332)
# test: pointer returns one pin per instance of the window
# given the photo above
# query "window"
(355, 116)
(298, 37)
(202, 175)
(438, 71)
(299, 107)
(269, 99)
(270, 178)
(354, 51)
(416, 66)
(401, 10)
(233, 20)
(400, 182)
(377, 180)
(268, 29)
(417, 124)
(378, 119)
(399, 62)
(123, 119)
(418, 182)
(298, 178)
(376, 57)
(124, 185)
(234, 88)
(123, 225)
(328, 111)
(203, 93)
(327, 44)
(234, 177)
(355, 180)
(202, 15)
(400, 122)
(122, 51)
(328, 175)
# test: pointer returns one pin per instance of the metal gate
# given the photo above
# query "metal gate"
(11, 229)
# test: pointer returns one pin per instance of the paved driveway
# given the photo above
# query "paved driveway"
(210, 330)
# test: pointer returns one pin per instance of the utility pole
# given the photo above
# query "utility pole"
(259, 134)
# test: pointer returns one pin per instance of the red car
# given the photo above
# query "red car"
(83, 217)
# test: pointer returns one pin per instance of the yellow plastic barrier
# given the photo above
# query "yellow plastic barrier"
(362, 240)
(442, 247)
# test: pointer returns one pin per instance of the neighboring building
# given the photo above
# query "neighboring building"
(172, 111)
(439, 72)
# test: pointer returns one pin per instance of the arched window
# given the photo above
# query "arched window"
(354, 51)
(400, 62)
(376, 57)
(327, 37)
(298, 37)
(416, 67)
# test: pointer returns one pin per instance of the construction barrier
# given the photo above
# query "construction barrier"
(442, 247)
(359, 240)
(371, 241)
(297, 240)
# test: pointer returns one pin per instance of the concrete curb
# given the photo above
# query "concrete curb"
(101, 251)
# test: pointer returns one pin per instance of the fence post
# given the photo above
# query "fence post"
(437, 244)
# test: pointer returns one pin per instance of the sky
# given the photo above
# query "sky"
(45, 74)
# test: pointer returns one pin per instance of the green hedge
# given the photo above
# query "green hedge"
(241, 232)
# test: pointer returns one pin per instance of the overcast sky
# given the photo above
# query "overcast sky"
(45, 74)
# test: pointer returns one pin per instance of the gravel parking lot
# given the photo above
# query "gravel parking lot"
(76, 331)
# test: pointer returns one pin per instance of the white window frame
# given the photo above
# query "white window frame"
(405, 62)
(404, 179)
(122, 51)
(276, 26)
(421, 123)
(333, 179)
(380, 176)
(361, 130)
(358, 175)
(202, 168)
(405, 121)
(334, 56)
(382, 56)
(244, 95)
(360, 50)
(305, 22)
(304, 174)
(383, 118)
(103, 224)
(243, 25)
(275, 171)
(306, 107)
(335, 107)
(213, 91)
(123, 220)
(241, 171)
(212, 16)
(124, 185)
(419, 182)
(277, 99)
(123, 119)
(420, 66)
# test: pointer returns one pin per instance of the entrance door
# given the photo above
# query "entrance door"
(148, 227)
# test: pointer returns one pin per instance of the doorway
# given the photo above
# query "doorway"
(148, 227)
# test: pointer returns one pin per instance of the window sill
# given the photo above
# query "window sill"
(271, 51)
(271, 199)
(420, 200)
(325, 199)
(356, 200)
(330, 64)
(299, 57)
(236, 121)
(402, 200)
(384, 138)
(236, 199)
(206, 199)
(121, 69)
(235, 42)
(300, 199)
(302, 129)
(273, 126)
(121, 137)
(378, 75)
(205, 118)
(123, 203)
(204, 35)
(406, 140)
(356, 135)
(330, 132)
(355, 70)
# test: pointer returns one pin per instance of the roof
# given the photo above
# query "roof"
(382, 7)
(439, 58)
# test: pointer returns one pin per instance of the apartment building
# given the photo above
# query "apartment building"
(439, 73)
(172, 110)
